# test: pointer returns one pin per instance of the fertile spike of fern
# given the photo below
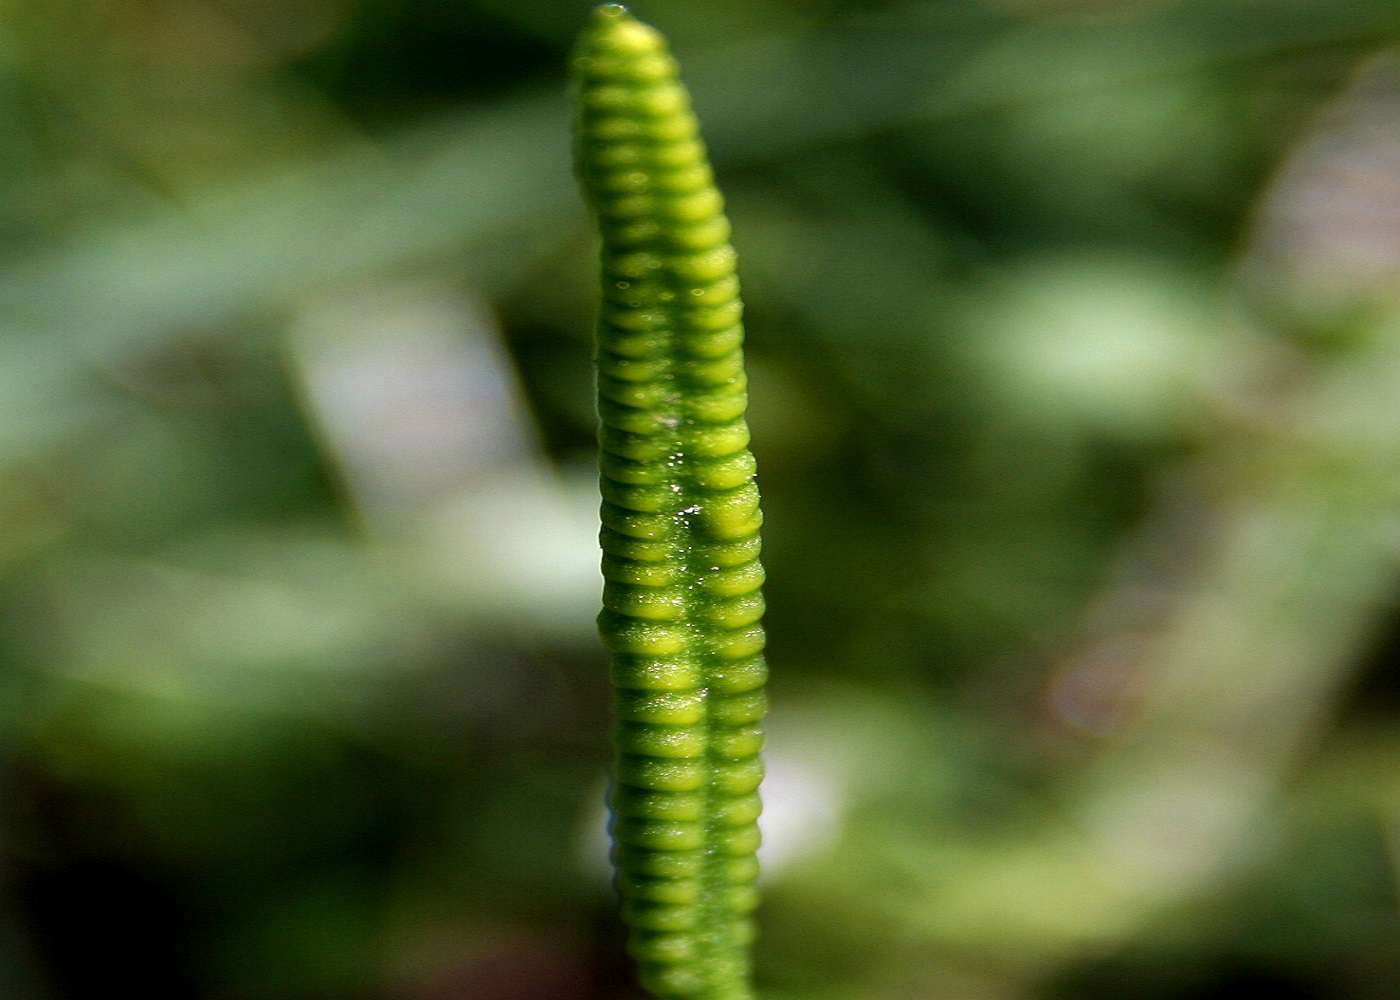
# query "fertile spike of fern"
(681, 602)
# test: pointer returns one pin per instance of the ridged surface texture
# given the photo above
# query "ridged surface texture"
(680, 514)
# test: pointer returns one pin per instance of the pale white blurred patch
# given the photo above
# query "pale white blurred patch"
(413, 393)
(1327, 236)
(414, 396)
(519, 549)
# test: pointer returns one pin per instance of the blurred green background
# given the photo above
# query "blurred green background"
(1075, 354)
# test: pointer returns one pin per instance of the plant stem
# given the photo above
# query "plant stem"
(680, 520)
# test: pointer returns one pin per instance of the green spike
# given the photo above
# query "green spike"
(680, 513)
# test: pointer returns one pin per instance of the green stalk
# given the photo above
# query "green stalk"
(681, 603)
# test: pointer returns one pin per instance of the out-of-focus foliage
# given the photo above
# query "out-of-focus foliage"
(1075, 357)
